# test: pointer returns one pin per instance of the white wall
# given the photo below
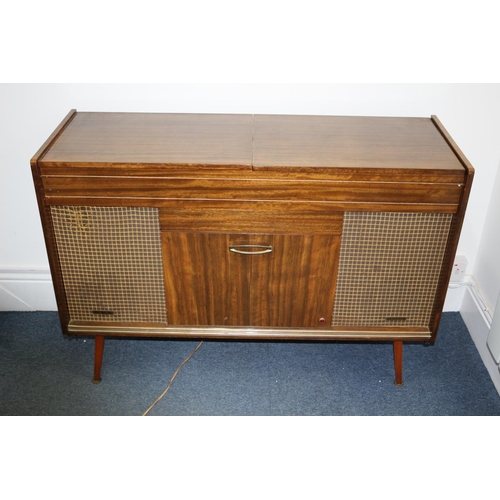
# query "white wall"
(487, 268)
(478, 306)
(30, 112)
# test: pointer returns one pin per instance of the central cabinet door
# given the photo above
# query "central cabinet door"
(250, 280)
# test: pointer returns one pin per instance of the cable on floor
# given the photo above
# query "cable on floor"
(172, 379)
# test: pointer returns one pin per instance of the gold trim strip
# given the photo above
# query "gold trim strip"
(246, 333)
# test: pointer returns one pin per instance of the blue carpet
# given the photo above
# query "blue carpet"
(43, 373)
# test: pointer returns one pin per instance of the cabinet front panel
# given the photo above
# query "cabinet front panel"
(250, 280)
(293, 286)
(196, 278)
(252, 217)
(252, 189)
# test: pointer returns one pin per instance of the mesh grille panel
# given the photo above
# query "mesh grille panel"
(111, 263)
(389, 268)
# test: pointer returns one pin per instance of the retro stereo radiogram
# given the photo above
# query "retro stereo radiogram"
(316, 228)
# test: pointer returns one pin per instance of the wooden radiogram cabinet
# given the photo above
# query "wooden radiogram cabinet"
(272, 227)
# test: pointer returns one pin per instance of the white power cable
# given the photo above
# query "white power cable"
(477, 296)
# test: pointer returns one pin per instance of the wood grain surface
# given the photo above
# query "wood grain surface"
(350, 142)
(292, 286)
(277, 180)
(155, 138)
(247, 141)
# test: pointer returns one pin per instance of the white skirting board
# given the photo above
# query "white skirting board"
(478, 325)
(26, 290)
(494, 335)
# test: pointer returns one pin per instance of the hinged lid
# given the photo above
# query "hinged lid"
(313, 142)
(197, 140)
(279, 143)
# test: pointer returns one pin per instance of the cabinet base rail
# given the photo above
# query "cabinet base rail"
(251, 333)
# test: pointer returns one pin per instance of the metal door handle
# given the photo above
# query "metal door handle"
(260, 249)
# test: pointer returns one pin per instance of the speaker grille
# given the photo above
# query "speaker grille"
(111, 263)
(389, 268)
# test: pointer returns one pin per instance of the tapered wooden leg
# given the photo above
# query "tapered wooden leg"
(398, 362)
(99, 349)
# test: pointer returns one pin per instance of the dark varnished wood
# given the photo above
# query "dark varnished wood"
(311, 142)
(196, 277)
(199, 140)
(398, 362)
(330, 206)
(427, 175)
(293, 286)
(99, 350)
(46, 220)
(252, 189)
(282, 181)
(261, 141)
(250, 217)
(451, 248)
(456, 228)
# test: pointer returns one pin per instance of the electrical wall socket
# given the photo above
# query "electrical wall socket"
(459, 268)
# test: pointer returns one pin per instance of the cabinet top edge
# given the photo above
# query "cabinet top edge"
(250, 141)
